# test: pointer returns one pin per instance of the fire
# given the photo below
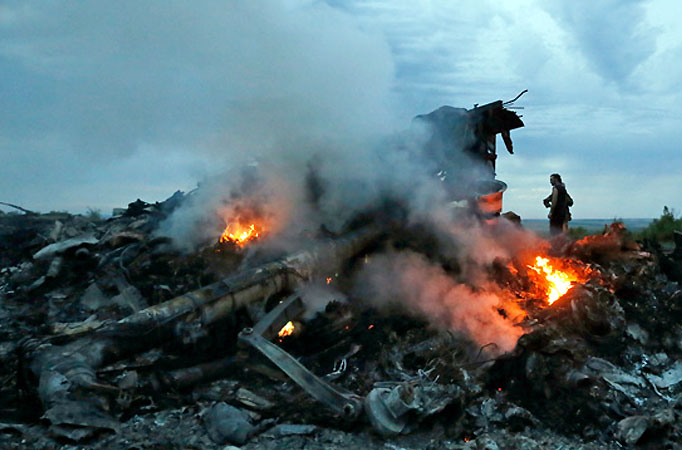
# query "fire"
(558, 282)
(240, 234)
(287, 330)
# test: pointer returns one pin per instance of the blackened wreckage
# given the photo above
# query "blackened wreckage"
(110, 337)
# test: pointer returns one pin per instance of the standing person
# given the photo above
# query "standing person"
(558, 203)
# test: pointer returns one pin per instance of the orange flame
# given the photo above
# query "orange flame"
(239, 234)
(287, 330)
(558, 282)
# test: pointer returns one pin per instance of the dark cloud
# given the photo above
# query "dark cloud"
(222, 82)
(611, 34)
(109, 76)
(87, 86)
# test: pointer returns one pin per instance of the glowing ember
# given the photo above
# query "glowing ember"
(558, 282)
(239, 234)
(287, 330)
(329, 280)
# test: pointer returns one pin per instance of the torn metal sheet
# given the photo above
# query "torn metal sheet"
(62, 246)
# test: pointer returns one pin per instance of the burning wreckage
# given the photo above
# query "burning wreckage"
(383, 335)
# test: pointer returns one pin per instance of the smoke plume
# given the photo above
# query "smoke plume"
(424, 289)
(308, 98)
(312, 136)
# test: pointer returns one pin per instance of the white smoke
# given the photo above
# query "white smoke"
(317, 295)
(468, 301)
(307, 86)
(310, 100)
(420, 287)
(477, 245)
(310, 138)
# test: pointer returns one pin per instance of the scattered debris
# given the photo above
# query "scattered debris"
(60, 247)
(225, 423)
(110, 337)
(631, 429)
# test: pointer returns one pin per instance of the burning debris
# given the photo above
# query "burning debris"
(393, 330)
(287, 329)
(240, 235)
(558, 282)
(591, 364)
(556, 276)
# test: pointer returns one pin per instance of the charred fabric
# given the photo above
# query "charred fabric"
(111, 337)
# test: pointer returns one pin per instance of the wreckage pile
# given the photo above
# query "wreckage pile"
(110, 337)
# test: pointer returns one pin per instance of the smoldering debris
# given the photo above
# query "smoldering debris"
(319, 305)
(436, 354)
(425, 289)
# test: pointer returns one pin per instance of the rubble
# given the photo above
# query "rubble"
(631, 429)
(395, 408)
(93, 298)
(225, 423)
(63, 246)
(115, 339)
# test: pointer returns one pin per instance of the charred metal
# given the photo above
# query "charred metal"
(112, 337)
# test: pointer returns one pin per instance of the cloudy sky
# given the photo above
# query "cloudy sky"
(104, 102)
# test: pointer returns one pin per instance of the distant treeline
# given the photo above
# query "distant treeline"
(662, 229)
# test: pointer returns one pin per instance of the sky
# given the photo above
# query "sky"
(105, 102)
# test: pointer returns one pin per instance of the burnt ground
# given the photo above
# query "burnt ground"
(600, 369)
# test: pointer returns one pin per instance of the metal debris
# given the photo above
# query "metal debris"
(602, 366)
(62, 246)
